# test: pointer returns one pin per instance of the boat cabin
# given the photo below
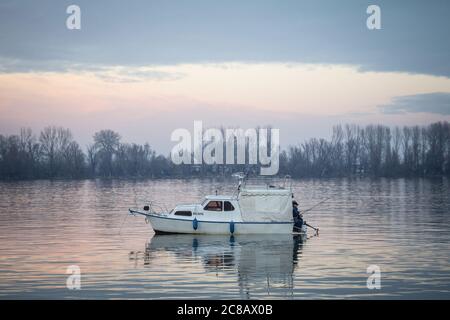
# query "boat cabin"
(214, 207)
(249, 210)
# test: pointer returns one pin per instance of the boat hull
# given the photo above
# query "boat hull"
(164, 225)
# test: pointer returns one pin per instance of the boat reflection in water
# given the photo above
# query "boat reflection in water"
(256, 261)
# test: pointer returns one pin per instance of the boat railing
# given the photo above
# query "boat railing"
(157, 207)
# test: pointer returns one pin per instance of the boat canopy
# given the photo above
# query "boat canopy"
(266, 205)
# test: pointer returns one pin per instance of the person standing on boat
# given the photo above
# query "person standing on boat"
(298, 218)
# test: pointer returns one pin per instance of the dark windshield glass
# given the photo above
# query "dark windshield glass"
(214, 206)
(228, 206)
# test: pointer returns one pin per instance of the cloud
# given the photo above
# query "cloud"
(18, 65)
(414, 37)
(122, 74)
(437, 103)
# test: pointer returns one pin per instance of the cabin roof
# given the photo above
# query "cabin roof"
(220, 197)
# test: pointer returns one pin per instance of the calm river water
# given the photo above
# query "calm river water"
(401, 226)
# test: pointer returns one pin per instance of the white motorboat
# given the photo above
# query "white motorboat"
(250, 210)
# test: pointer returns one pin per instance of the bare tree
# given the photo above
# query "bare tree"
(54, 143)
(106, 142)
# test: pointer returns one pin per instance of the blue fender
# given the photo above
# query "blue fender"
(232, 227)
(195, 224)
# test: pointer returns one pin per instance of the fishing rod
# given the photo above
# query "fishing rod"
(308, 225)
(307, 210)
(315, 229)
(314, 206)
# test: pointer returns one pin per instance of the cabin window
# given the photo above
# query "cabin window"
(183, 213)
(228, 206)
(214, 206)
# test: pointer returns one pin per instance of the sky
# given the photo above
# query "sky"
(146, 68)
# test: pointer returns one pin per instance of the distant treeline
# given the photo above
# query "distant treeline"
(374, 150)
